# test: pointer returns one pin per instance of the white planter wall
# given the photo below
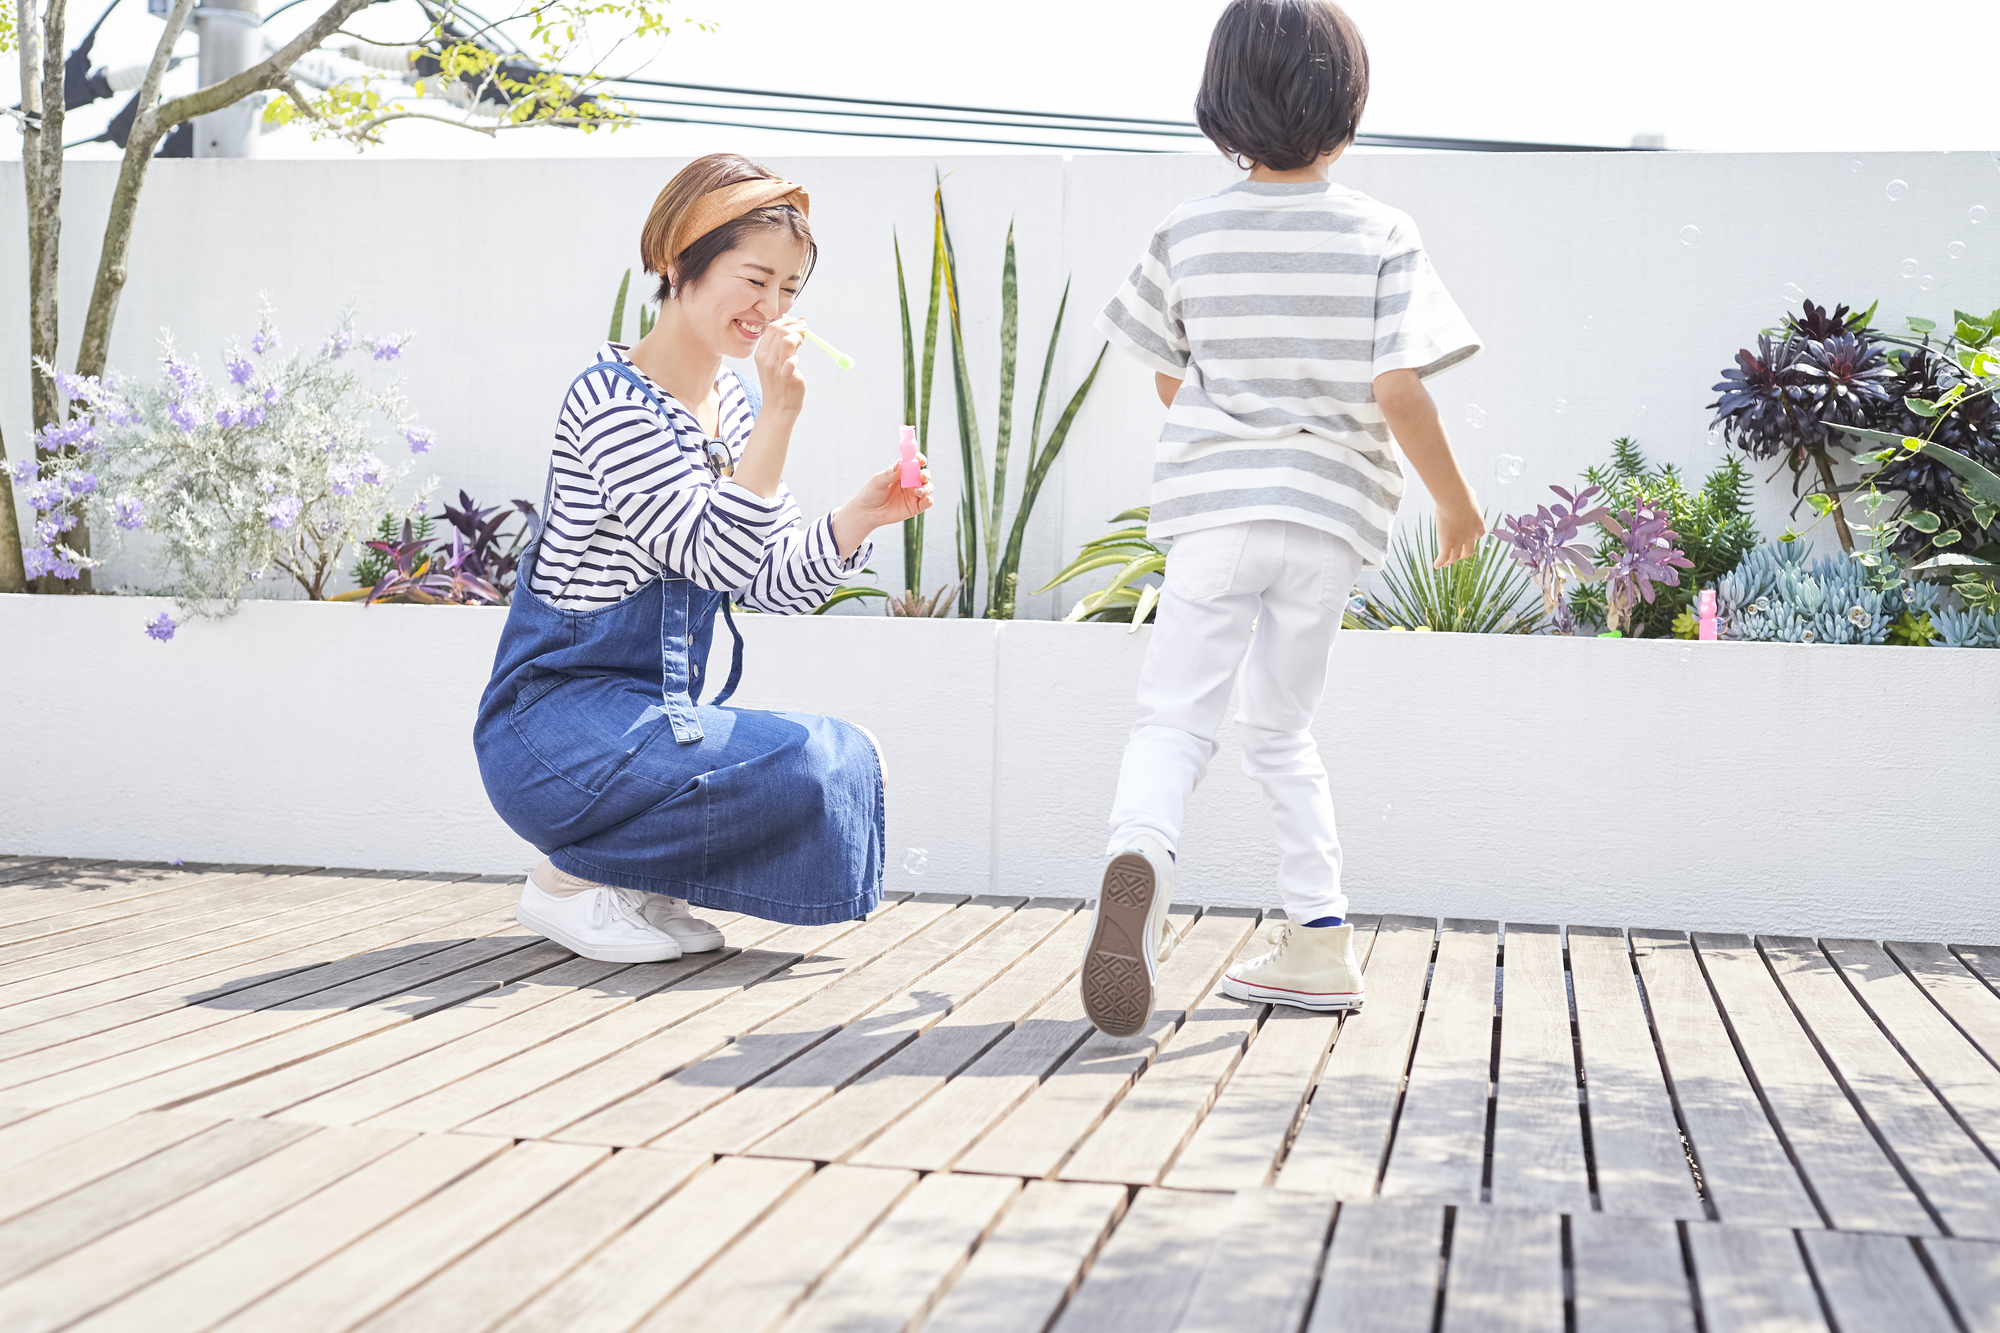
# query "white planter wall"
(1571, 266)
(1766, 787)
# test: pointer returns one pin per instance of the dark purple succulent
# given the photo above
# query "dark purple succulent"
(1651, 555)
(417, 574)
(1548, 542)
(1847, 381)
(491, 554)
(1817, 325)
(1763, 405)
(1972, 428)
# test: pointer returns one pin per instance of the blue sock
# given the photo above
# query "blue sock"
(1324, 921)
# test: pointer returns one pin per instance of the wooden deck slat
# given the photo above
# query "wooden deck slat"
(1238, 1143)
(1642, 1168)
(1036, 1137)
(1260, 1275)
(62, 1044)
(1753, 1280)
(48, 889)
(76, 1218)
(758, 1280)
(1147, 1271)
(1344, 1136)
(814, 1077)
(1506, 1271)
(1958, 1070)
(1982, 960)
(1958, 1179)
(679, 1026)
(894, 1276)
(1745, 1171)
(1538, 1160)
(619, 1284)
(51, 1176)
(1440, 1143)
(89, 1278)
(1627, 1271)
(1033, 1262)
(1970, 1271)
(513, 1267)
(98, 919)
(1969, 1002)
(1383, 1268)
(180, 982)
(854, 1115)
(677, 1101)
(368, 1275)
(251, 1026)
(1876, 1282)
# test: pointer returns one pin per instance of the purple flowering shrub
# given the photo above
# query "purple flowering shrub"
(1549, 543)
(275, 464)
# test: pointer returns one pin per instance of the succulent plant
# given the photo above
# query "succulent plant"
(1649, 556)
(1549, 543)
(1971, 428)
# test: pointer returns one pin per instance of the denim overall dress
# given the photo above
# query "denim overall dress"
(593, 748)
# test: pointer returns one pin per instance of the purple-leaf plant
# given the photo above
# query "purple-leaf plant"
(1549, 543)
(1649, 556)
(270, 465)
(418, 574)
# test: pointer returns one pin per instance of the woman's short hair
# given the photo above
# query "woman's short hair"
(690, 183)
(1285, 82)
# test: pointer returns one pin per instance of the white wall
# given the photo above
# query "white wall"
(1571, 267)
(1724, 786)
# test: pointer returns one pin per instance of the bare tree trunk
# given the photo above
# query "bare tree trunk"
(1832, 492)
(13, 573)
(41, 38)
(152, 124)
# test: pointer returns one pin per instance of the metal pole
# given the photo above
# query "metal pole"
(232, 40)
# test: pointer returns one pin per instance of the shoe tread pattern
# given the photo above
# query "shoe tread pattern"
(1117, 985)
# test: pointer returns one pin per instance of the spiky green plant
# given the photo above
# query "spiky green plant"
(1124, 598)
(1485, 593)
(917, 408)
(618, 312)
(982, 500)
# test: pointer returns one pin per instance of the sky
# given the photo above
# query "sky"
(1837, 75)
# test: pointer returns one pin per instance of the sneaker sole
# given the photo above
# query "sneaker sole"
(1317, 1001)
(633, 953)
(1116, 979)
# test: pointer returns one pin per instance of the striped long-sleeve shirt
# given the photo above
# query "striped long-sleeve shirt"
(1277, 306)
(634, 496)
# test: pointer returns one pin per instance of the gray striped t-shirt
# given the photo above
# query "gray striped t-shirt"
(1277, 306)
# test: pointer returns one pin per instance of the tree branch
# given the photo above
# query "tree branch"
(261, 77)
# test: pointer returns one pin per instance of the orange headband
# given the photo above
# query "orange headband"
(727, 204)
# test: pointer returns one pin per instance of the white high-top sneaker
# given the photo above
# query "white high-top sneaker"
(603, 923)
(672, 915)
(1128, 939)
(1307, 967)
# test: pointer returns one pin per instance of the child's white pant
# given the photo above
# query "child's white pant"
(1293, 582)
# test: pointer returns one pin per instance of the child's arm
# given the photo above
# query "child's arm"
(1413, 419)
(1166, 386)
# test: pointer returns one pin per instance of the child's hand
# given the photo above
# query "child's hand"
(1460, 526)
(880, 502)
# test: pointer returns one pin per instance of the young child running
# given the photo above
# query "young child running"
(1290, 323)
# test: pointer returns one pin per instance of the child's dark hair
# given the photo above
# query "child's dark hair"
(1284, 84)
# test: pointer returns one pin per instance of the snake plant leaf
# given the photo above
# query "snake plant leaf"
(1058, 434)
(1003, 429)
(913, 527)
(618, 308)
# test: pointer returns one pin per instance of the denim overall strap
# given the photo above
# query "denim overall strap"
(735, 656)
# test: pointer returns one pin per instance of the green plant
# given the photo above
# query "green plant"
(1124, 599)
(1713, 525)
(982, 500)
(917, 413)
(848, 593)
(618, 312)
(375, 563)
(1485, 593)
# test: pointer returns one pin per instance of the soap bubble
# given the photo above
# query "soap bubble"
(1977, 214)
(1715, 436)
(1509, 468)
(915, 860)
(1690, 234)
(1561, 406)
(1927, 282)
(1909, 268)
(1687, 654)
(1855, 165)
(1956, 249)
(1475, 415)
(1793, 293)
(1357, 604)
(1897, 189)
(1640, 415)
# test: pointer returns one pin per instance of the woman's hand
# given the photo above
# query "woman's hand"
(777, 358)
(880, 502)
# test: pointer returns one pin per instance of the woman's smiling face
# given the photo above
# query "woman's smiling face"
(743, 290)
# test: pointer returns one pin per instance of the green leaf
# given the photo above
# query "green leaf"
(913, 528)
(1922, 520)
(1921, 325)
(1981, 483)
(1982, 513)
(1822, 504)
(1949, 537)
(618, 308)
(1922, 407)
(1003, 431)
(846, 595)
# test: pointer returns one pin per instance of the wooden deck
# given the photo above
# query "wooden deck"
(291, 1099)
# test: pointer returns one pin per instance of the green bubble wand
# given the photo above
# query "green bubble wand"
(840, 358)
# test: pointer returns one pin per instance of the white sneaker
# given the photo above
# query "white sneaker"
(604, 924)
(1308, 967)
(672, 915)
(1128, 937)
